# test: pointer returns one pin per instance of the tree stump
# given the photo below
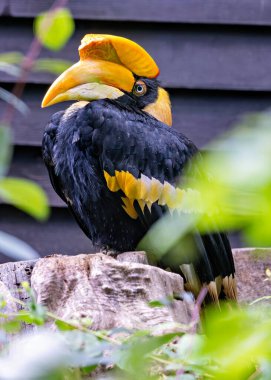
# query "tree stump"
(115, 292)
(251, 266)
(112, 292)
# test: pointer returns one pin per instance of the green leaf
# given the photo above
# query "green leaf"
(156, 303)
(5, 149)
(64, 326)
(54, 66)
(11, 326)
(166, 301)
(26, 196)
(233, 179)
(54, 28)
(165, 234)
(3, 302)
(238, 340)
(12, 57)
(133, 355)
(26, 286)
(87, 370)
(35, 310)
(13, 247)
(24, 316)
(8, 62)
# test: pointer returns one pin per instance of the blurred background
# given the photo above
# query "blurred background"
(214, 60)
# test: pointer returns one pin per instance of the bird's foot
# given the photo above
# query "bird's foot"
(110, 252)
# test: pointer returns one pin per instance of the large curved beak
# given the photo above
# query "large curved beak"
(105, 70)
(90, 80)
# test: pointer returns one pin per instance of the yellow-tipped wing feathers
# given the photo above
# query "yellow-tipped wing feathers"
(147, 191)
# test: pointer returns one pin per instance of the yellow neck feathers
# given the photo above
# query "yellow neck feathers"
(161, 109)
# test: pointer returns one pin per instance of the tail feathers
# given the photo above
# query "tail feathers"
(213, 267)
(230, 287)
(204, 260)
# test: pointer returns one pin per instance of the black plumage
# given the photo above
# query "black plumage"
(90, 140)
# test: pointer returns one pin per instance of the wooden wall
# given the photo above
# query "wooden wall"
(214, 57)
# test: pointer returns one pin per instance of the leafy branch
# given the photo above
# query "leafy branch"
(233, 343)
(52, 30)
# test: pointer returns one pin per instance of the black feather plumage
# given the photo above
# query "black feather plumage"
(90, 138)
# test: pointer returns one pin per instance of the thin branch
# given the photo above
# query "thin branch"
(195, 319)
(196, 311)
(26, 66)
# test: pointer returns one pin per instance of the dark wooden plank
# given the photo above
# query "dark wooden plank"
(190, 11)
(201, 115)
(60, 234)
(204, 116)
(189, 57)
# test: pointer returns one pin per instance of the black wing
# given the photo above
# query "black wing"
(48, 146)
(143, 160)
(48, 143)
(139, 161)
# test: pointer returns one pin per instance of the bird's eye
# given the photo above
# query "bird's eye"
(140, 88)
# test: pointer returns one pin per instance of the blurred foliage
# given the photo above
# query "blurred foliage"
(233, 180)
(234, 343)
(13, 100)
(15, 248)
(238, 194)
(19, 192)
(54, 28)
(54, 66)
(5, 149)
(25, 195)
(10, 64)
(11, 58)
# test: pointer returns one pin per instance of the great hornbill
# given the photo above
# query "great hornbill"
(116, 163)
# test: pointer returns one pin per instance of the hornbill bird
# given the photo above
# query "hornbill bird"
(113, 158)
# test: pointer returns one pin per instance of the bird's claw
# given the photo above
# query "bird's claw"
(110, 252)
